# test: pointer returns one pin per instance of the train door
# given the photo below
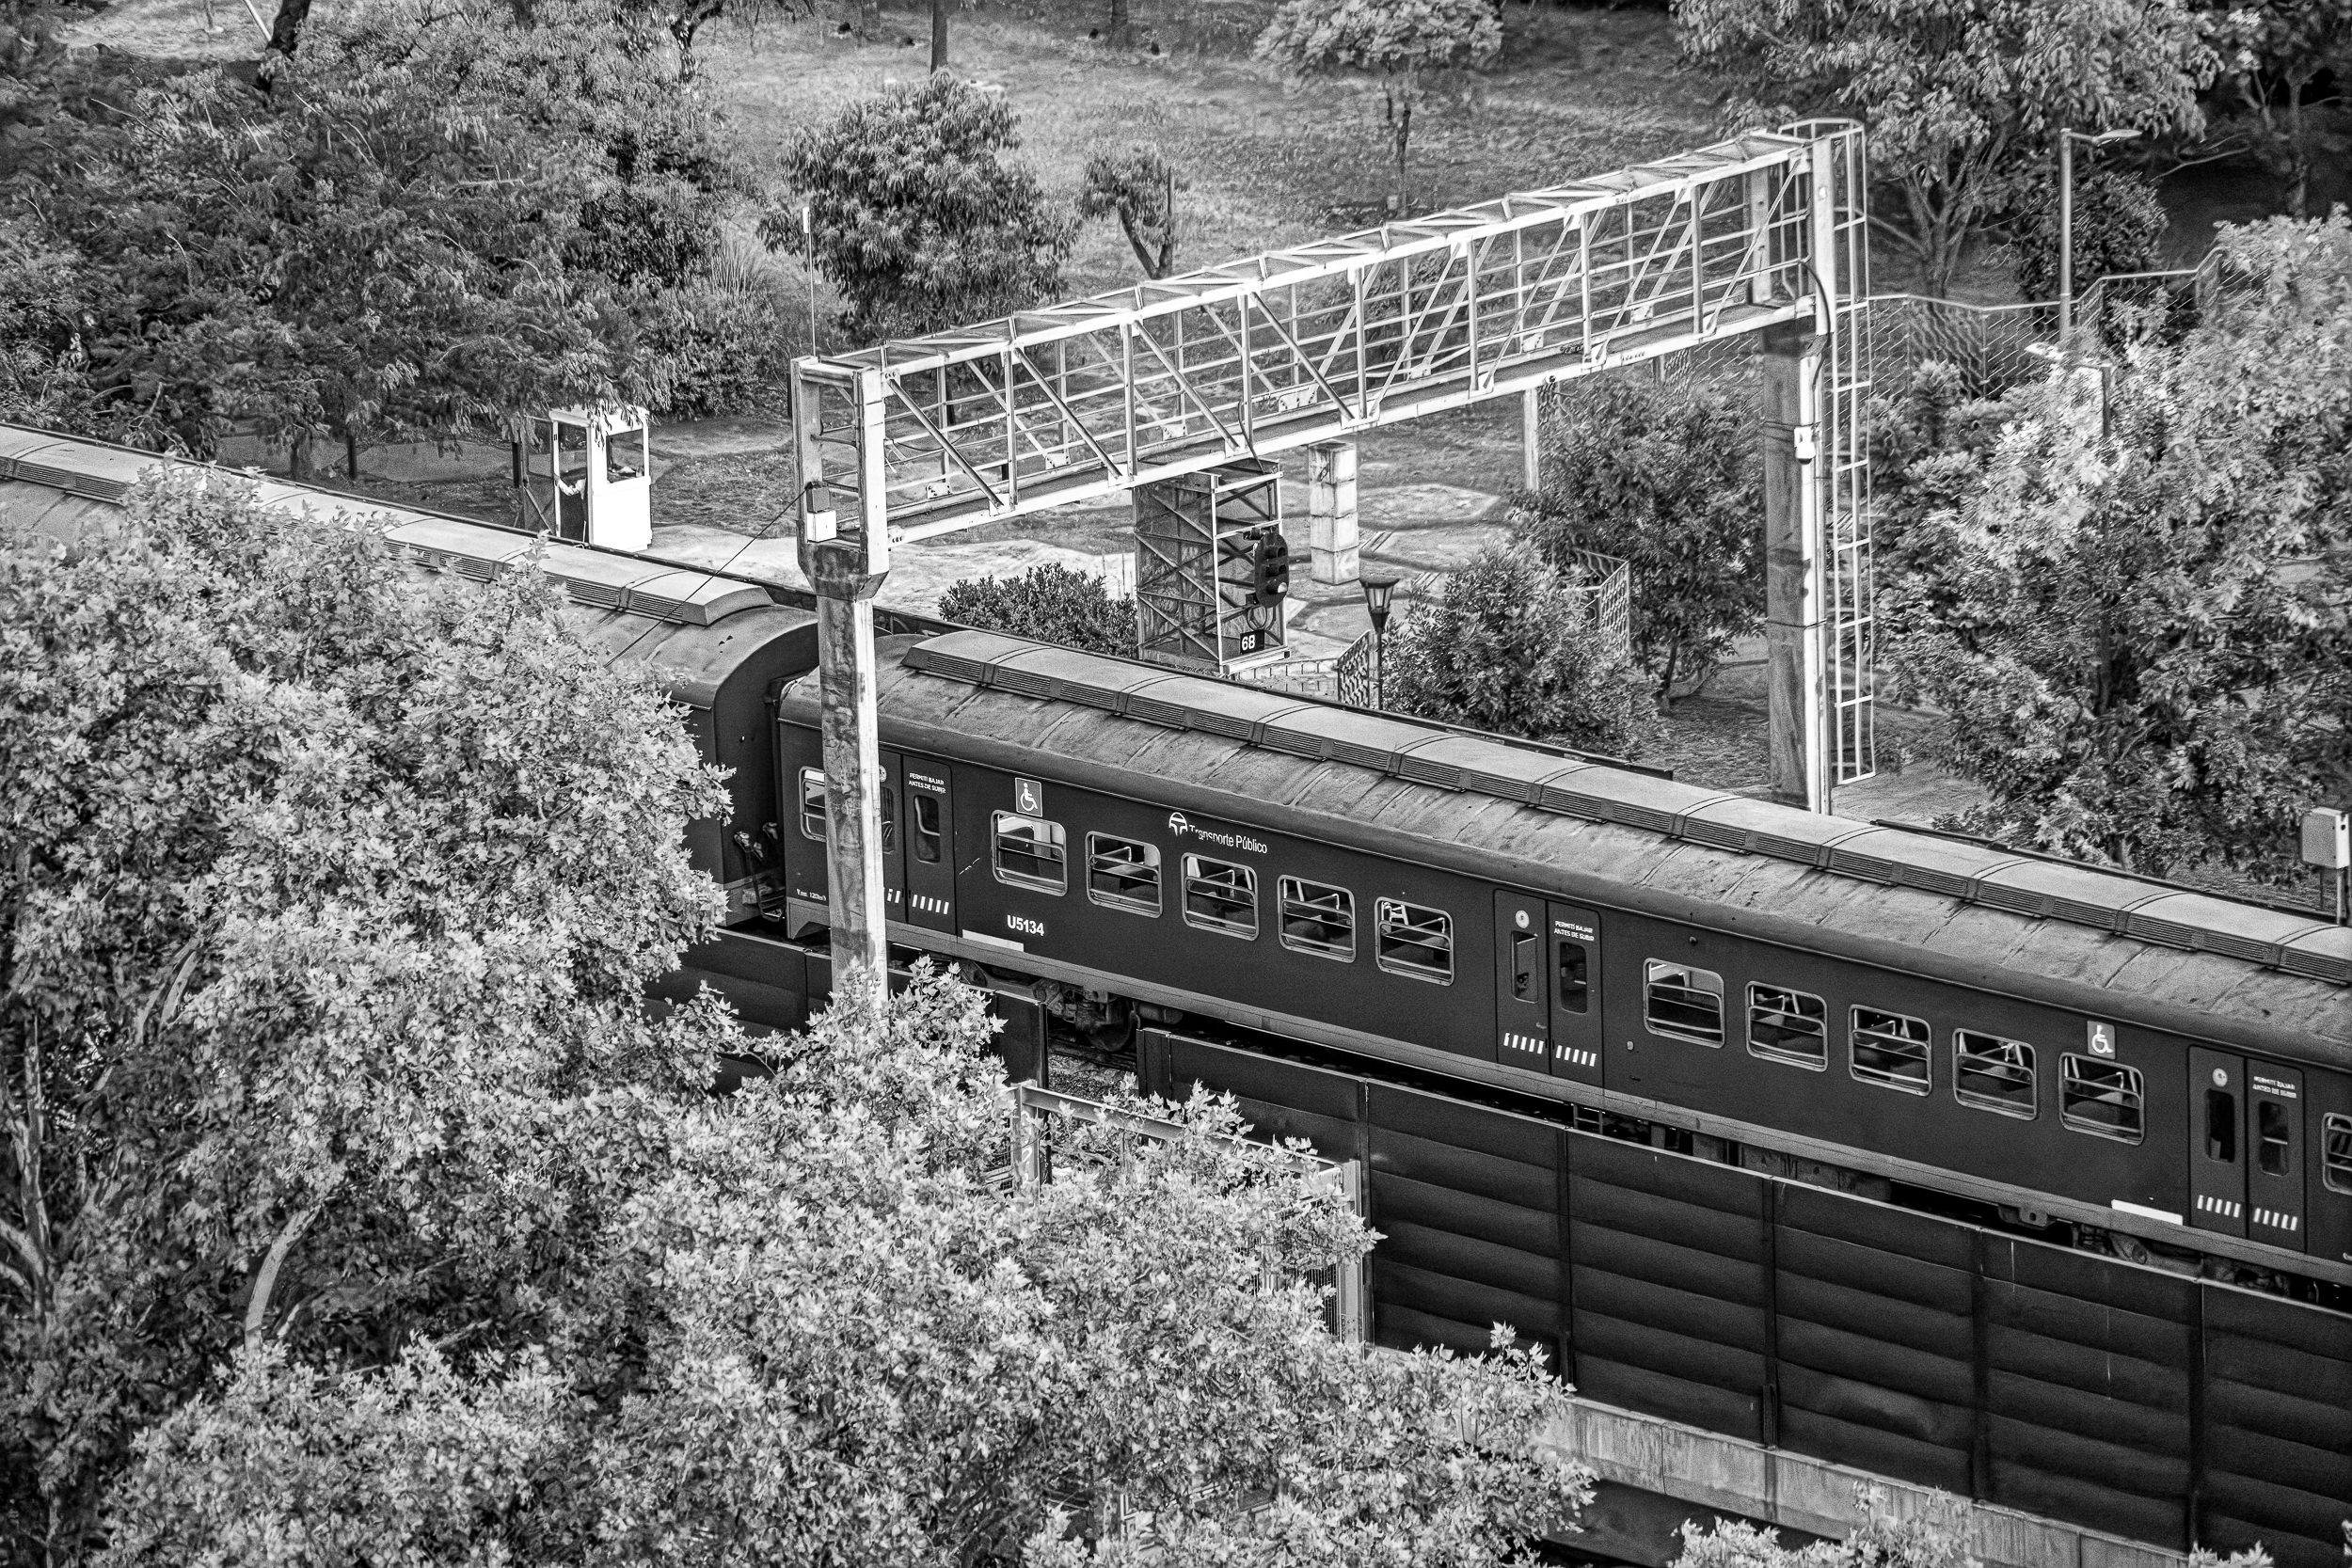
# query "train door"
(2274, 1146)
(930, 850)
(1522, 1017)
(2216, 1141)
(1575, 983)
(893, 845)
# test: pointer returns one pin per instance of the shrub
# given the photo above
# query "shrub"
(1668, 478)
(2118, 223)
(919, 222)
(1510, 648)
(1049, 602)
(721, 344)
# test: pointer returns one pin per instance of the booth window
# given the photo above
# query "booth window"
(624, 455)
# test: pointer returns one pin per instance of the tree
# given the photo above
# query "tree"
(1138, 188)
(919, 222)
(1050, 602)
(327, 894)
(809, 1332)
(1936, 1539)
(354, 1206)
(1962, 102)
(434, 219)
(2119, 223)
(1667, 478)
(1409, 44)
(2273, 52)
(2146, 638)
(1512, 646)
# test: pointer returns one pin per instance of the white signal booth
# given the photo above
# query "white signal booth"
(585, 475)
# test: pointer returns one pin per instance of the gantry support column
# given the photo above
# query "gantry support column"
(1531, 439)
(845, 569)
(1795, 625)
(1333, 532)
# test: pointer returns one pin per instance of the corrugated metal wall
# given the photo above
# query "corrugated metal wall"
(2093, 1391)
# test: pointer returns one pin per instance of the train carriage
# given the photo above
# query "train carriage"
(2014, 1176)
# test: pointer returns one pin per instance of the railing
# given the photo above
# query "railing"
(1609, 585)
(1991, 345)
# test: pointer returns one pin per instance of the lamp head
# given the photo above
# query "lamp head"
(1376, 590)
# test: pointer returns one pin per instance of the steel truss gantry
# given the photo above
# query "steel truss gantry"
(924, 436)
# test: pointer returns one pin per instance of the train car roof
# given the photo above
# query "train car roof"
(1880, 892)
(694, 627)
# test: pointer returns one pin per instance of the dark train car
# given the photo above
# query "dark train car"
(1830, 991)
(1482, 967)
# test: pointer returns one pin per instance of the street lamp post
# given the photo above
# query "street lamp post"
(2066, 214)
(1376, 590)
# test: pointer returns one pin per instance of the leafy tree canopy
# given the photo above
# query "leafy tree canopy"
(327, 893)
(354, 1206)
(1960, 101)
(919, 221)
(1512, 646)
(2141, 627)
(432, 218)
(1405, 44)
(1139, 189)
(2118, 223)
(1050, 602)
(1667, 478)
(2276, 56)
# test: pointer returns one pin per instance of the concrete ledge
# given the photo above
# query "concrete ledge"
(1733, 1476)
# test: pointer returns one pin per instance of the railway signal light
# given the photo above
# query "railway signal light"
(1270, 569)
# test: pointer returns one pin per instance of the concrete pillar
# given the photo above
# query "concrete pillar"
(1531, 439)
(845, 568)
(1795, 661)
(1331, 511)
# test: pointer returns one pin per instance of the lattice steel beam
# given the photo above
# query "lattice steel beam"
(1256, 356)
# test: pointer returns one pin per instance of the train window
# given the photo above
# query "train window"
(1318, 919)
(1684, 1003)
(2100, 1098)
(2221, 1126)
(1031, 853)
(1123, 874)
(1221, 898)
(812, 810)
(2274, 1142)
(1576, 977)
(813, 804)
(1992, 1074)
(1414, 940)
(1891, 1049)
(929, 840)
(2335, 1156)
(1789, 1026)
